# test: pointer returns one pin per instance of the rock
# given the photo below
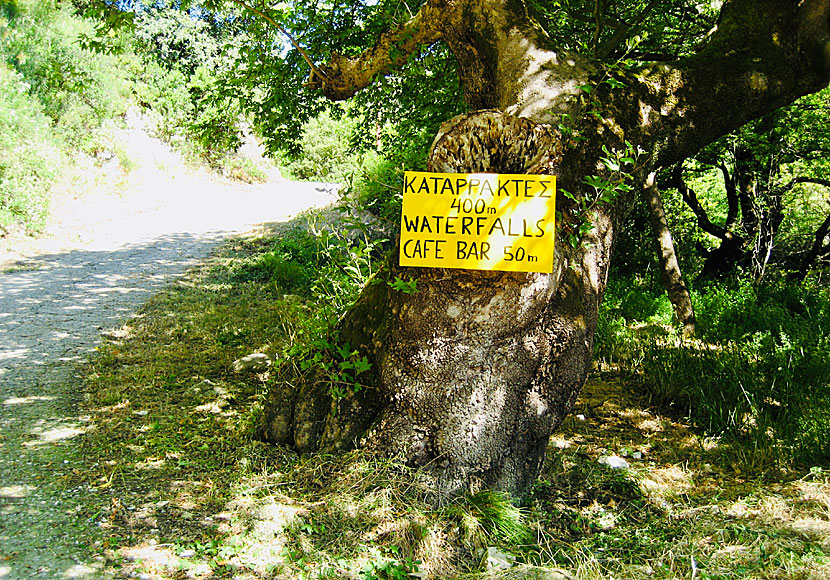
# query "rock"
(614, 462)
(524, 572)
(256, 363)
(499, 560)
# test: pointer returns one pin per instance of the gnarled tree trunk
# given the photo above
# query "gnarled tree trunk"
(475, 369)
(472, 373)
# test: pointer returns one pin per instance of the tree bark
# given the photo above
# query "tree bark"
(475, 369)
(669, 266)
(472, 373)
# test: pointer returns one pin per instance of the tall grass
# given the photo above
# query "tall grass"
(759, 375)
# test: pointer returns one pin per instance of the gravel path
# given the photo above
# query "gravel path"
(105, 257)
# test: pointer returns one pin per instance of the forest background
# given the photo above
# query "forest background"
(749, 214)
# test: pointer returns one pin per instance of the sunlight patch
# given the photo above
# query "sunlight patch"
(54, 435)
(16, 491)
(26, 400)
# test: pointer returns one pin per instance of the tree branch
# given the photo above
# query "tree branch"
(314, 69)
(816, 180)
(690, 197)
(764, 54)
(731, 196)
(819, 249)
(343, 76)
(623, 31)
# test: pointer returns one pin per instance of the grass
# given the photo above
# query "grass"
(758, 375)
(185, 490)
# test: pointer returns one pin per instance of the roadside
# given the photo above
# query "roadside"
(117, 238)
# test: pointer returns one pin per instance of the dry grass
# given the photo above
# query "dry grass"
(186, 491)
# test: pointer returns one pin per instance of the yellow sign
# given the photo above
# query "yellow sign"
(480, 221)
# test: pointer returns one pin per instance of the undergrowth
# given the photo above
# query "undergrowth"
(758, 375)
(185, 489)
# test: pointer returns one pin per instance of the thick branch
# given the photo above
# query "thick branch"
(343, 76)
(690, 197)
(816, 180)
(763, 55)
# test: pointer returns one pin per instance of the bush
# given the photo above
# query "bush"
(325, 150)
(78, 89)
(54, 97)
(30, 157)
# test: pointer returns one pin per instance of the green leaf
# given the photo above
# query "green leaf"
(344, 351)
(595, 182)
(610, 164)
(362, 365)
(615, 83)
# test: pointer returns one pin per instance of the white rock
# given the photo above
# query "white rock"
(498, 560)
(256, 362)
(614, 462)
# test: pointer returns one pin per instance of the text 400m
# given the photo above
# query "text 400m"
(468, 205)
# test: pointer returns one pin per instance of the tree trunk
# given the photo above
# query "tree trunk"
(669, 266)
(471, 373)
(475, 369)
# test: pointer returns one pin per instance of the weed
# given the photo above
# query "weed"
(488, 518)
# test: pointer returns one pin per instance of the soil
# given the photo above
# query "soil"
(116, 238)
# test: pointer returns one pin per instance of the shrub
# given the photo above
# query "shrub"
(30, 157)
(77, 89)
(325, 150)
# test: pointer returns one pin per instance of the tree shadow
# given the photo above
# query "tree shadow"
(53, 311)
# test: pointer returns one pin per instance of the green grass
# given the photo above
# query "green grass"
(187, 491)
(759, 375)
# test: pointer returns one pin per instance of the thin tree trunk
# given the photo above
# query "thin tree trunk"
(669, 266)
(818, 248)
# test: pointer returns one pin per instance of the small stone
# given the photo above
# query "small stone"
(498, 560)
(614, 462)
(256, 362)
